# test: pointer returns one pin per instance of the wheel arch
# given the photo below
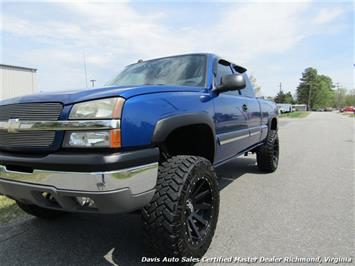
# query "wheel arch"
(186, 130)
(273, 123)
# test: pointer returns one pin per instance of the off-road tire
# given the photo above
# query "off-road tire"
(166, 220)
(267, 155)
(42, 213)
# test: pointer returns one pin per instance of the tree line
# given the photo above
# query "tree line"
(316, 91)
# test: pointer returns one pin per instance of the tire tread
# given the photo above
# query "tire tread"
(161, 225)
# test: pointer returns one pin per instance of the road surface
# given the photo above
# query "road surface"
(305, 209)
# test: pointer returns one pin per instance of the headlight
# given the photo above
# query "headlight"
(110, 108)
(98, 109)
(87, 139)
(93, 139)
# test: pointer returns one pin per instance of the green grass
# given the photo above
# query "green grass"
(296, 114)
(9, 211)
(349, 114)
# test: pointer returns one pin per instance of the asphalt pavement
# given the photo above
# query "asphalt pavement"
(304, 209)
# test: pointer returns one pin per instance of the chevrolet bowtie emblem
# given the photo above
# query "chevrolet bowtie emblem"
(13, 125)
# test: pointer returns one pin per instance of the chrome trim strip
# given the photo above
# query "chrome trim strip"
(254, 133)
(16, 125)
(138, 179)
(254, 129)
(248, 134)
(226, 141)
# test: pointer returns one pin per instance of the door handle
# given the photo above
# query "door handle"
(245, 107)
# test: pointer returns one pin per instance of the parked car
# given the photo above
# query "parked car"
(348, 109)
(149, 141)
(328, 109)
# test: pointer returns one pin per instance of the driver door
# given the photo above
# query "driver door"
(231, 118)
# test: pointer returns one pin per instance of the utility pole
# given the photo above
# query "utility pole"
(338, 94)
(280, 86)
(85, 72)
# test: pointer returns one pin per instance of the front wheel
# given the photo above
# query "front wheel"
(267, 155)
(181, 219)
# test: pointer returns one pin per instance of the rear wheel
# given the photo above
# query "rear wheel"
(267, 155)
(181, 219)
(40, 212)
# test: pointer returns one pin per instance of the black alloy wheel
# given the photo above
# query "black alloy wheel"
(199, 211)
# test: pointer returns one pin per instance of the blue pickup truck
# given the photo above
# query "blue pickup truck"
(148, 141)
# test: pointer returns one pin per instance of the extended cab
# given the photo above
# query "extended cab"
(148, 141)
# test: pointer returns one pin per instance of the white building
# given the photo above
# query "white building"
(299, 107)
(16, 81)
(284, 107)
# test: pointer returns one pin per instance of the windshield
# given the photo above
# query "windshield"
(187, 70)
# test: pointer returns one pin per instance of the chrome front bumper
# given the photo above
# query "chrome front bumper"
(113, 192)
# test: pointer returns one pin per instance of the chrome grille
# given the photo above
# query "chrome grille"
(40, 139)
(29, 112)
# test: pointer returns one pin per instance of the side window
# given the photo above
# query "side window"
(221, 71)
(248, 91)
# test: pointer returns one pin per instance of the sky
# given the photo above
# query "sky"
(274, 40)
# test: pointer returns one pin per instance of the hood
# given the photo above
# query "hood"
(74, 96)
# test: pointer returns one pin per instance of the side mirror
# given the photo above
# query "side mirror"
(231, 82)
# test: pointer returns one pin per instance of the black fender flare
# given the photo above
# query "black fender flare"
(167, 125)
(270, 122)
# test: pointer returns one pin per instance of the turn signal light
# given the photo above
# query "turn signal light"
(115, 138)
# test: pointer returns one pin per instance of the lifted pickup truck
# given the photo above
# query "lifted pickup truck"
(148, 141)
